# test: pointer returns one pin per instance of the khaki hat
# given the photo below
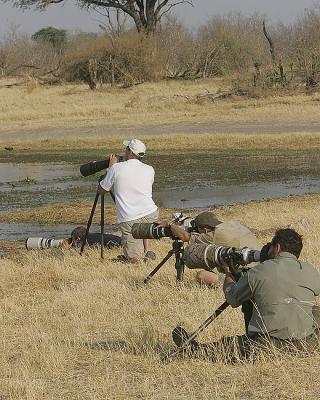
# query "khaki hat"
(206, 218)
(136, 146)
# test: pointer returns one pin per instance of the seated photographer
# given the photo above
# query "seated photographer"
(208, 229)
(78, 234)
(131, 183)
(279, 298)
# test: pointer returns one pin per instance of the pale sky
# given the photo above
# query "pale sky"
(68, 16)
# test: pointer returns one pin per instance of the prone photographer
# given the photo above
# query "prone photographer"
(208, 229)
(76, 240)
(282, 291)
(131, 183)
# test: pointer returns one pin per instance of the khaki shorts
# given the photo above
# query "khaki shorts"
(133, 248)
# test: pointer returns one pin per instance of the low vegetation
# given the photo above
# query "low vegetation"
(75, 327)
(73, 107)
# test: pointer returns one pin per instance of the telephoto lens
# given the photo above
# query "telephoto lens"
(147, 230)
(250, 256)
(96, 166)
(39, 243)
(93, 167)
(212, 256)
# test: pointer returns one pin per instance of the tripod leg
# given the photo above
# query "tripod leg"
(156, 269)
(194, 334)
(179, 265)
(102, 225)
(89, 222)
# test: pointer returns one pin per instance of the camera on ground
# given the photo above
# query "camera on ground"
(39, 243)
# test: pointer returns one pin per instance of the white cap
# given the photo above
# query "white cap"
(136, 146)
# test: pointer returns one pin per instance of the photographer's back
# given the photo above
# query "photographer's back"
(131, 183)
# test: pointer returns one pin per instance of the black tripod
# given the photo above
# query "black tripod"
(177, 251)
(172, 353)
(101, 221)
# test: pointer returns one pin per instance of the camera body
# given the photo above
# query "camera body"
(96, 166)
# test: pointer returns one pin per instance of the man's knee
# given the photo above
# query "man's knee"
(207, 278)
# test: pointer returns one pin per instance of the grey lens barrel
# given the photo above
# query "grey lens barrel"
(150, 231)
(142, 231)
(39, 243)
(250, 256)
(201, 256)
(212, 256)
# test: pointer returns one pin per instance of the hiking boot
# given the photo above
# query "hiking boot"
(150, 255)
(180, 336)
(124, 260)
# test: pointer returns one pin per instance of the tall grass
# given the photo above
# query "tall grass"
(77, 328)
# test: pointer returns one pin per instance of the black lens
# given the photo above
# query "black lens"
(93, 167)
(96, 166)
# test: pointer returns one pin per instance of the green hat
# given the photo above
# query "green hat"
(206, 219)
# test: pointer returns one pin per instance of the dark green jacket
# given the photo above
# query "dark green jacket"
(283, 290)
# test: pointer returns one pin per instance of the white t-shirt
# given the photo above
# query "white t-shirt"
(131, 183)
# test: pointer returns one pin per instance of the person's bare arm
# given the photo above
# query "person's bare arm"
(112, 160)
(180, 233)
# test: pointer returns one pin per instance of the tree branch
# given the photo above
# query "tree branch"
(159, 15)
(271, 46)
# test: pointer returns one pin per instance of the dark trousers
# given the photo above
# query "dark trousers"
(234, 348)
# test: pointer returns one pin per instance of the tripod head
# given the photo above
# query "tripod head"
(177, 250)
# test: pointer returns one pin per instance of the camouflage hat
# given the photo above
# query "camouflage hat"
(206, 219)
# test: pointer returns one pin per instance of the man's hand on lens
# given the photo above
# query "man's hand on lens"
(224, 268)
(164, 223)
(112, 160)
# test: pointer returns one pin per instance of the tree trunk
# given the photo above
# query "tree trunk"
(271, 45)
(93, 71)
(112, 71)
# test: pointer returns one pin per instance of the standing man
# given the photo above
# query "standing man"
(131, 183)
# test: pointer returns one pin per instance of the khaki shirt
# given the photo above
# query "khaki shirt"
(283, 290)
(229, 234)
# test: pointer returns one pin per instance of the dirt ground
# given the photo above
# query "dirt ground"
(187, 128)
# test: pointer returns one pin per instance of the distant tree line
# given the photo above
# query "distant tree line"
(255, 57)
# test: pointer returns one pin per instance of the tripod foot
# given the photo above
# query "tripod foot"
(180, 336)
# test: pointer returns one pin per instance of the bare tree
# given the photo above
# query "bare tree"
(146, 14)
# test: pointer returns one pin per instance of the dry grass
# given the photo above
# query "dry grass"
(280, 212)
(64, 319)
(75, 106)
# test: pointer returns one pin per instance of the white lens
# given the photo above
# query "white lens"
(42, 243)
(33, 243)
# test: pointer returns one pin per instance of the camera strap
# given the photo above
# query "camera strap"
(205, 256)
